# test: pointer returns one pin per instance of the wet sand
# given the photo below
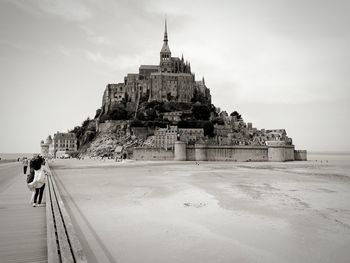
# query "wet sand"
(211, 212)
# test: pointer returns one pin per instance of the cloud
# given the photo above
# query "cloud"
(65, 51)
(93, 37)
(120, 62)
(68, 10)
(25, 6)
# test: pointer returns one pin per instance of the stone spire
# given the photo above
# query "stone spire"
(165, 47)
(165, 33)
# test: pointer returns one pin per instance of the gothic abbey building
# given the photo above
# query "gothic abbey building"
(171, 80)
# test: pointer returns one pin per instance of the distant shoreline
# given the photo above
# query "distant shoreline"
(14, 156)
(330, 152)
(7, 161)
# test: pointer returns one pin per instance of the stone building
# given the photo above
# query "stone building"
(175, 116)
(170, 80)
(47, 147)
(165, 138)
(237, 132)
(191, 135)
(61, 144)
(65, 142)
(277, 137)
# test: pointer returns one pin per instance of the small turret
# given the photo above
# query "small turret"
(49, 139)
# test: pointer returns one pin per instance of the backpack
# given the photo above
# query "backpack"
(30, 176)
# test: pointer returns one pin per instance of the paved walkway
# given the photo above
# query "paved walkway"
(22, 227)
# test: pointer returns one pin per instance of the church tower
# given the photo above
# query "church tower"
(165, 53)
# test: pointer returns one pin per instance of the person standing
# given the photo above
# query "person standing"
(25, 165)
(38, 184)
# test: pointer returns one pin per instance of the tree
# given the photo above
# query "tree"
(144, 97)
(218, 120)
(118, 113)
(160, 107)
(151, 114)
(201, 112)
(208, 128)
(236, 114)
(85, 123)
(136, 123)
(170, 97)
(98, 112)
(186, 116)
(152, 104)
(140, 116)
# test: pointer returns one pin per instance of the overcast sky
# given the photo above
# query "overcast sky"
(281, 64)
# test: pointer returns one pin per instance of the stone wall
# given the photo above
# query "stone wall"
(237, 153)
(300, 155)
(190, 153)
(149, 154)
(281, 153)
(180, 152)
(202, 152)
(289, 153)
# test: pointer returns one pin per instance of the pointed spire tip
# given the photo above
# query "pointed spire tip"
(165, 31)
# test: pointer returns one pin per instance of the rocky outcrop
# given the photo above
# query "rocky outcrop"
(105, 143)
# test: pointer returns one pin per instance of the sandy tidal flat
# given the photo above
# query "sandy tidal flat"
(211, 212)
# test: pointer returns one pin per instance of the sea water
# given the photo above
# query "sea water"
(15, 156)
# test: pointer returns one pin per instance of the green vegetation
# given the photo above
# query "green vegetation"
(86, 132)
(117, 113)
(169, 106)
(201, 111)
(237, 115)
(98, 112)
(207, 126)
(218, 120)
(199, 97)
(198, 114)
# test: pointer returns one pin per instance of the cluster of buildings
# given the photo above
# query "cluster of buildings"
(236, 132)
(62, 145)
(232, 132)
(165, 138)
(173, 80)
(170, 80)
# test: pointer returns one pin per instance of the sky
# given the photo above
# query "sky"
(281, 64)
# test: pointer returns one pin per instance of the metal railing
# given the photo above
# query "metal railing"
(62, 242)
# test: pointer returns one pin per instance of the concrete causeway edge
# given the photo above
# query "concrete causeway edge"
(63, 244)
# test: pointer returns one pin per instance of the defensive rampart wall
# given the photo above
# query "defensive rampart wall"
(281, 153)
(237, 153)
(300, 155)
(143, 153)
(190, 153)
(202, 152)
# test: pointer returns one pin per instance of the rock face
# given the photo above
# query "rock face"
(102, 145)
(111, 134)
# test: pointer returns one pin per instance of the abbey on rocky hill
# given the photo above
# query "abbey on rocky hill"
(171, 80)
